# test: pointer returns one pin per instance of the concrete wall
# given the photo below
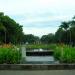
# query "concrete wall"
(37, 66)
(26, 69)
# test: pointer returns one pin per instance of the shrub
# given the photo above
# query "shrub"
(9, 56)
(65, 54)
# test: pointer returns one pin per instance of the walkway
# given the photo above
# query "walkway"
(38, 72)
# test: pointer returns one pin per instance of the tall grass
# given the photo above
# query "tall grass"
(9, 56)
(65, 54)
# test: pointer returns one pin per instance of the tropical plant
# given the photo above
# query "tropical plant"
(9, 56)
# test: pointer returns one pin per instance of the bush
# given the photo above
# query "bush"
(9, 56)
(65, 54)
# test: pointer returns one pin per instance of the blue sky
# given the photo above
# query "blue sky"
(39, 17)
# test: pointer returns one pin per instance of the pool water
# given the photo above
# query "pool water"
(40, 60)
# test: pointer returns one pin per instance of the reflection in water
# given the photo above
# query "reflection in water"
(40, 60)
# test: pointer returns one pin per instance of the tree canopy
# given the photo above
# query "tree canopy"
(66, 32)
(10, 31)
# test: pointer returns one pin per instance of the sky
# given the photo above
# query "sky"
(39, 17)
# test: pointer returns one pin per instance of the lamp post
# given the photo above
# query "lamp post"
(5, 36)
(70, 40)
(3, 28)
(70, 37)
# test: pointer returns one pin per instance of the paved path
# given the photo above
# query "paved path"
(38, 72)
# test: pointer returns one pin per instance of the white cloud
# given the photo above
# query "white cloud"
(46, 19)
(36, 6)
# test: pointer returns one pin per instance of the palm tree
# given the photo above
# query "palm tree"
(64, 26)
(72, 26)
(72, 23)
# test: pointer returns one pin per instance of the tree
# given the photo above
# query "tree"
(58, 35)
(47, 38)
(31, 39)
(2, 27)
(65, 32)
(72, 30)
(9, 29)
(64, 26)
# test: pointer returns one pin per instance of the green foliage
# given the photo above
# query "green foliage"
(65, 54)
(10, 27)
(65, 33)
(47, 39)
(30, 39)
(43, 46)
(64, 25)
(10, 56)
